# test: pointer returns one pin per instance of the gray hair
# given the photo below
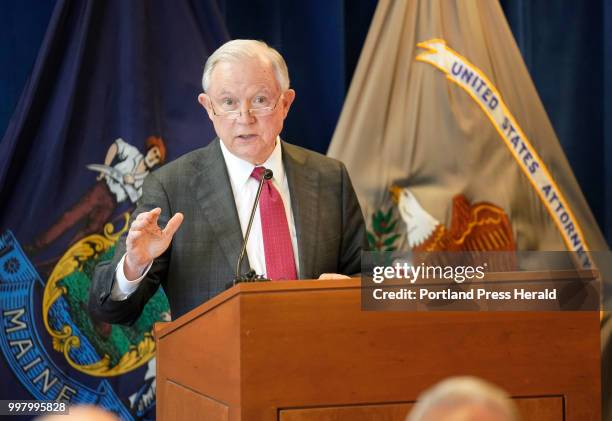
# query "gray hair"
(240, 49)
(457, 392)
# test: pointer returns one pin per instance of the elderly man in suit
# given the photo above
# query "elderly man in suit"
(308, 223)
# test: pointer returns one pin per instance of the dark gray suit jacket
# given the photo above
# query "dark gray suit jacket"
(202, 258)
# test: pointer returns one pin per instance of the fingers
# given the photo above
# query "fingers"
(150, 215)
(153, 215)
(146, 231)
(146, 219)
(173, 225)
(139, 225)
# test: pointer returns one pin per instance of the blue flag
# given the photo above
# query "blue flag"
(111, 97)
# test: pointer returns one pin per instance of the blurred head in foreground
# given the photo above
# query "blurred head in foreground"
(82, 413)
(463, 399)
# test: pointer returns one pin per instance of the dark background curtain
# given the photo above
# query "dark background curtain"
(567, 47)
(566, 44)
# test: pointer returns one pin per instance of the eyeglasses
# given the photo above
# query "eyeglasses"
(230, 108)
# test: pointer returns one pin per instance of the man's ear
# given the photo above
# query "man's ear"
(204, 101)
(288, 98)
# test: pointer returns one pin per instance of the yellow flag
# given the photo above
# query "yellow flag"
(443, 116)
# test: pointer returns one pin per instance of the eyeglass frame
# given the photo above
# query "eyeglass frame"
(235, 114)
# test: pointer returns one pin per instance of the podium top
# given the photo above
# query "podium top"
(163, 329)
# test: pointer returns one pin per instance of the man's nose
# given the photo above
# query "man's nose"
(245, 116)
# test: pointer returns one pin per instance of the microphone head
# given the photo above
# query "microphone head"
(267, 175)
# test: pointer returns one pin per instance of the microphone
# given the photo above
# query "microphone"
(251, 276)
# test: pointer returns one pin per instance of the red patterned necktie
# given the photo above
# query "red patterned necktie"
(280, 262)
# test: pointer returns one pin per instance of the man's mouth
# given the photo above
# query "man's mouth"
(246, 136)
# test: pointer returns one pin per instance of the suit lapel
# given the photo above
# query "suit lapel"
(214, 193)
(303, 187)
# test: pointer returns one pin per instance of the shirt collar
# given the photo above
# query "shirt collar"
(240, 170)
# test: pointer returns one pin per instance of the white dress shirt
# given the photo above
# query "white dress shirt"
(244, 188)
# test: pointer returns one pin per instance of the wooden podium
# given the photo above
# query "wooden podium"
(305, 350)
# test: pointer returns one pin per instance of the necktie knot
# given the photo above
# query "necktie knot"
(258, 173)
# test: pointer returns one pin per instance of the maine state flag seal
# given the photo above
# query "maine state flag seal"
(56, 350)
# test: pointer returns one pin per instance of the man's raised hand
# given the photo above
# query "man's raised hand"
(146, 241)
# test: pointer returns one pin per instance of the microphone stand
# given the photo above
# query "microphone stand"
(251, 275)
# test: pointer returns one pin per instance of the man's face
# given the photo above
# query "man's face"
(246, 83)
(153, 157)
